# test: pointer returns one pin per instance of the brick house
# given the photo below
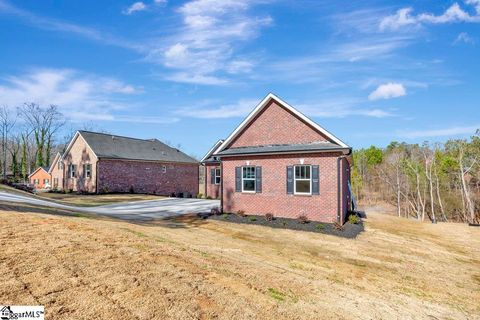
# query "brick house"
(279, 161)
(40, 178)
(103, 163)
(212, 172)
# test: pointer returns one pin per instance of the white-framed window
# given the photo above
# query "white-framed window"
(302, 183)
(46, 181)
(248, 179)
(35, 181)
(73, 171)
(55, 182)
(217, 176)
(87, 170)
(164, 169)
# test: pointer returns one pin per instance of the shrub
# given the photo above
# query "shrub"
(241, 213)
(303, 219)
(269, 217)
(104, 189)
(131, 190)
(200, 196)
(353, 219)
(225, 216)
(209, 198)
(338, 226)
(252, 219)
(172, 194)
(320, 226)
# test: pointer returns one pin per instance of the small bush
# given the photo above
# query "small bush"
(215, 211)
(200, 196)
(252, 219)
(225, 216)
(131, 190)
(284, 224)
(104, 189)
(338, 226)
(303, 219)
(320, 226)
(241, 213)
(172, 194)
(353, 219)
(269, 217)
(209, 198)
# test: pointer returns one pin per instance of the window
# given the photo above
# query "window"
(35, 181)
(303, 180)
(87, 170)
(55, 182)
(164, 169)
(73, 170)
(248, 179)
(46, 181)
(217, 176)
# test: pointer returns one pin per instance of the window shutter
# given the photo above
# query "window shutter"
(315, 180)
(258, 177)
(289, 179)
(212, 176)
(238, 179)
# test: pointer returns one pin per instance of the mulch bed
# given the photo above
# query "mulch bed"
(350, 231)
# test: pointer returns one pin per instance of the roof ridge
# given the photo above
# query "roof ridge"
(120, 136)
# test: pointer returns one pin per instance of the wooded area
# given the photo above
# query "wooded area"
(29, 139)
(440, 182)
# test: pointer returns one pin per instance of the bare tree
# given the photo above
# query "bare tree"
(7, 122)
(44, 123)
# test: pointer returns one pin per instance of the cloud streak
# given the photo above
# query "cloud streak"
(388, 91)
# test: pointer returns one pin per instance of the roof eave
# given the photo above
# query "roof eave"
(345, 151)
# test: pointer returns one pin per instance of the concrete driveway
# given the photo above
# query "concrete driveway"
(137, 211)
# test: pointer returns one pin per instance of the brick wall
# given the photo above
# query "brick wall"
(274, 198)
(276, 125)
(212, 190)
(80, 154)
(40, 175)
(147, 177)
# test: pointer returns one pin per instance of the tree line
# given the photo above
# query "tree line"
(28, 139)
(439, 182)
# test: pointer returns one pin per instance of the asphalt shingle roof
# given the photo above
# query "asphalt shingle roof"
(119, 147)
(279, 148)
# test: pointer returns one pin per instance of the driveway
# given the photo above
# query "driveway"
(136, 211)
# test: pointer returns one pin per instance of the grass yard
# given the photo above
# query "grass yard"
(84, 268)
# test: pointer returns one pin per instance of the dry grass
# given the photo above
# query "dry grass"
(95, 200)
(189, 269)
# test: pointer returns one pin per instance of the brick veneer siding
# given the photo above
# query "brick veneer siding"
(147, 177)
(212, 190)
(274, 198)
(80, 154)
(276, 125)
(41, 175)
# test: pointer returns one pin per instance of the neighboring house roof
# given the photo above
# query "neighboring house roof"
(264, 103)
(110, 146)
(284, 148)
(39, 168)
(208, 156)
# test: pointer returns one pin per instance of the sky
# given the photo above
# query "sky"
(188, 72)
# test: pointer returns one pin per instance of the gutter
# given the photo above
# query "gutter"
(345, 151)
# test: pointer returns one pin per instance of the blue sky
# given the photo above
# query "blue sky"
(188, 72)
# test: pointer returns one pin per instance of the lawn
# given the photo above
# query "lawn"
(82, 268)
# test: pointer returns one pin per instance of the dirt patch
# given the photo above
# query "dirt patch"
(87, 268)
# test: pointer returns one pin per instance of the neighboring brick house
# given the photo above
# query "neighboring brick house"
(212, 172)
(40, 178)
(279, 161)
(103, 163)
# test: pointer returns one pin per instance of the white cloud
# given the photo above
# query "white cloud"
(388, 91)
(328, 108)
(135, 7)
(445, 132)
(405, 17)
(79, 96)
(160, 1)
(205, 46)
(464, 37)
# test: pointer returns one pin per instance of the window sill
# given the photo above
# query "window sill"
(249, 192)
(302, 194)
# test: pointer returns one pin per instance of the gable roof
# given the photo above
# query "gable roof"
(54, 162)
(39, 168)
(212, 150)
(284, 104)
(110, 146)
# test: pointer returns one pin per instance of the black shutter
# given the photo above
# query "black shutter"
(289, 179)
(212, 176)
(258, 177)
(238, 179)
(315, 180)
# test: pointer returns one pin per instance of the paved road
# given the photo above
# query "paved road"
(138, 210)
